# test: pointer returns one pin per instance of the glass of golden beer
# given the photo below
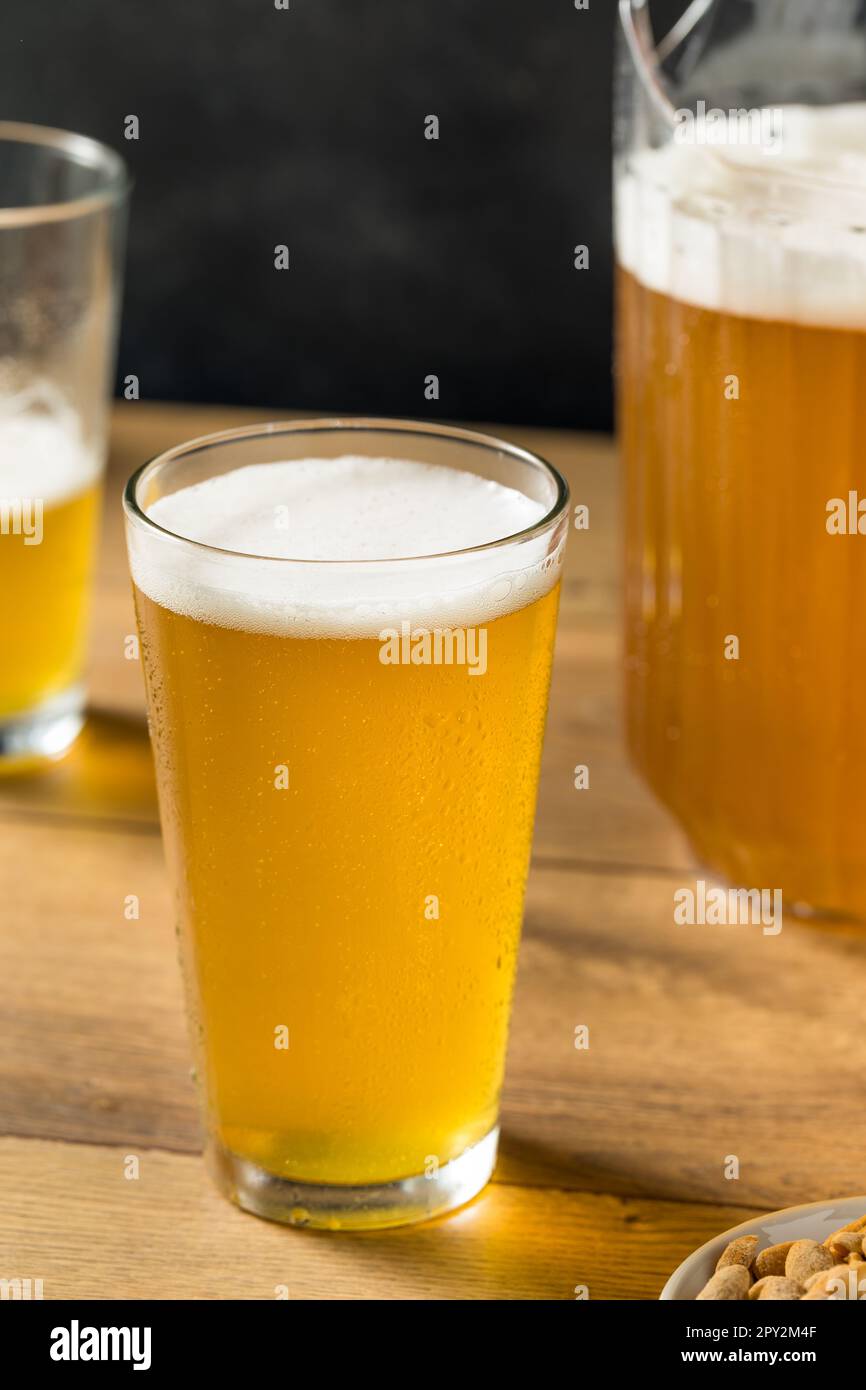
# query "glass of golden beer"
(740, 190)
(346, 632)
(62, 215)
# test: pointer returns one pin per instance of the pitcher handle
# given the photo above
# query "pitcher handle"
(648, 55)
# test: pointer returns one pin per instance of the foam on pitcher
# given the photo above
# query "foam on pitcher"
(775, 232)
(368, 510)
(42, 455)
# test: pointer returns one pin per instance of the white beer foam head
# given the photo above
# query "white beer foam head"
(763, 232)
(42, 454)
(383, 514)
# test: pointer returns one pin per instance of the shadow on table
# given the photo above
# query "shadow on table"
(504, 1245)
(106, 775)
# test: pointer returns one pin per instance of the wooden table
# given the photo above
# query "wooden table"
(704, 1042)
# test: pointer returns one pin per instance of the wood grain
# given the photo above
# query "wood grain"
(72, 1219)
(702, 1043)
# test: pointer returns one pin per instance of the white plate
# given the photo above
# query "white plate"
(816, 1221)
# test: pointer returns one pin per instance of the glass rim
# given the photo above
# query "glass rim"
(336, 425)
(77, 149)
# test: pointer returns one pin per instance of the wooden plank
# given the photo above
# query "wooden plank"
(90, 1002)
(73, 1220)
(704, 1042)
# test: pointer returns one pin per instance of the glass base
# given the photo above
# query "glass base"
(328, 1207)
(802, 908)
(803, 911)
(42, 733)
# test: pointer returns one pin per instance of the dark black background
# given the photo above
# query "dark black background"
(306, 127)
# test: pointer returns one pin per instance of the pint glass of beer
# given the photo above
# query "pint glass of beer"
(740, 187)
(62, 213)
(346, 632)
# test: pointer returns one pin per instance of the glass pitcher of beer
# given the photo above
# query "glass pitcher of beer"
(740, 193)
